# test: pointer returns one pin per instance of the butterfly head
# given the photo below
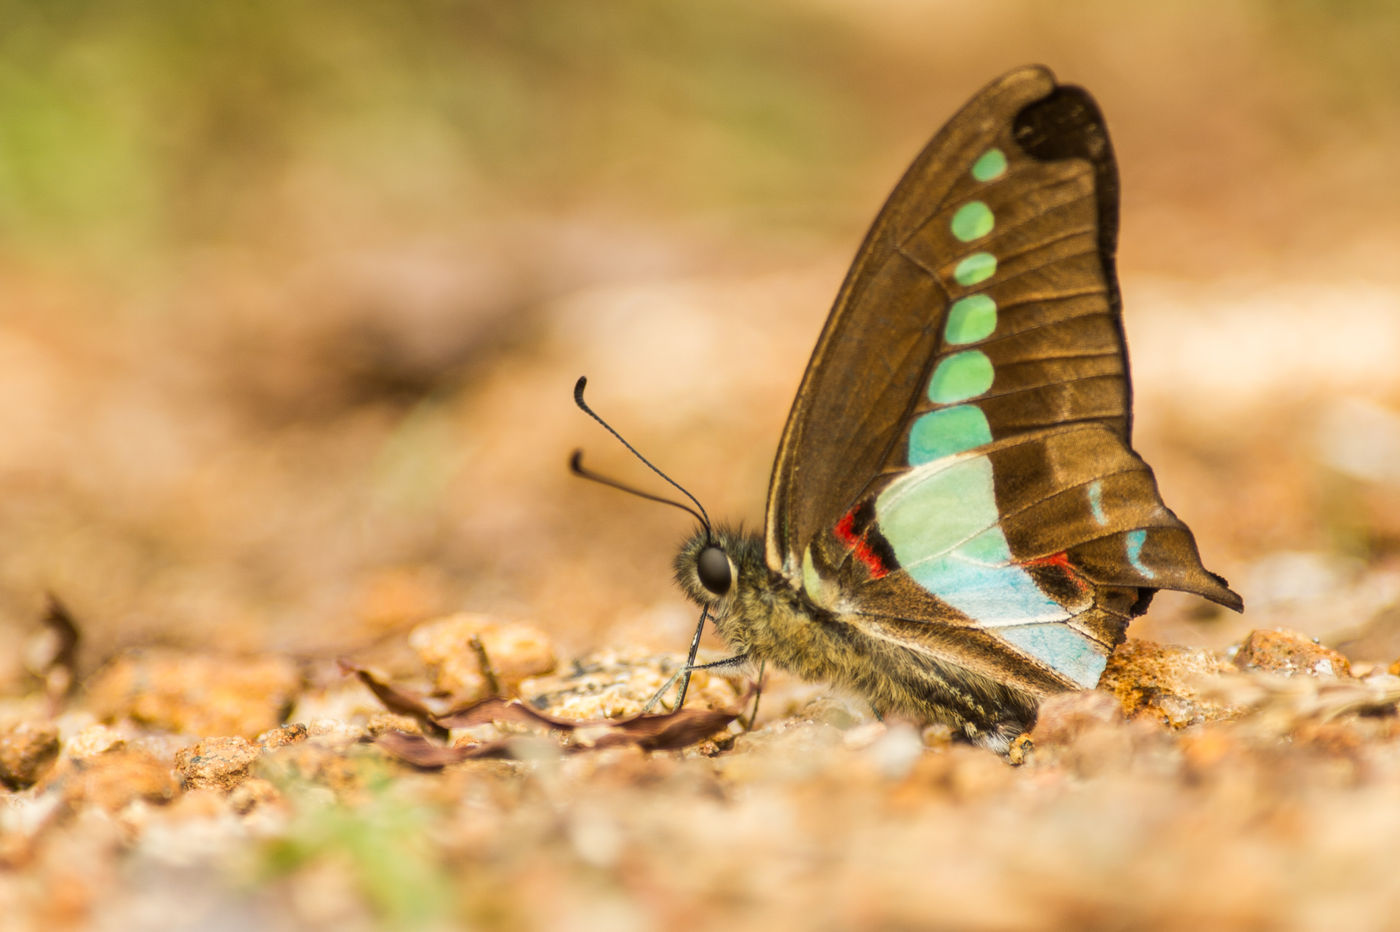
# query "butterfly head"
(713, 565)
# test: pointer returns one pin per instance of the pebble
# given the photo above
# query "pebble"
(1065, 717)
(27, 751)
(94, 740)
(283, 735)
(112, 780)
(1167, 682)
(215, 763)
(513, 650)
(1289, 653)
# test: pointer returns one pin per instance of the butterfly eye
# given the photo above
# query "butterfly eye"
(713, 569)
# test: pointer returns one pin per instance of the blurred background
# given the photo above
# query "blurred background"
(295, 294)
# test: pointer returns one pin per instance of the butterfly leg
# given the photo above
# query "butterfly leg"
(757, 694)
(684, 671)
(683, 675)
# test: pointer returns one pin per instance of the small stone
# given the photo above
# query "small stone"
(386, 722)
(1020, 750)
(27, 751)
(1167, 683)
(837, 711)
(938, 735)
(1204, 749)
(196, 694)
(895, 751)
(1289, 653)
(113, 780)
(961, 771)
(513, 652)
(283, 735)
(327, 732)
(215, 763)
(346, 700)
(863, 735)
(94, 740)
(1064, 717)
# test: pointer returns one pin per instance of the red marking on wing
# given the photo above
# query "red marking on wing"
(845, 529)
(1060, 561)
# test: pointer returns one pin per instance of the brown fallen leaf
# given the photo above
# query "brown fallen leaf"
(664, 732)
(670, 731)
(419, 752)
(650, 732)
(398, 700)
(674, 730)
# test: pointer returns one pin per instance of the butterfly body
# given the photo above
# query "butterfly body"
(957, 524)
(888, 661)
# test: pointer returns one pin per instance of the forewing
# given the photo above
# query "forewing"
(959, 450)
(1047, 294)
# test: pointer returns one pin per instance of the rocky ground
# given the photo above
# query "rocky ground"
(1246, 789)
(308, 626)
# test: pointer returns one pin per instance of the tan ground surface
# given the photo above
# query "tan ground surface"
(294, 301)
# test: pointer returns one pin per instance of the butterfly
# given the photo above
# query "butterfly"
(957, 525)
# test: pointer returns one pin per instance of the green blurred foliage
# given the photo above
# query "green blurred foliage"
(132, 124)
(383, 841)
(1348, 47)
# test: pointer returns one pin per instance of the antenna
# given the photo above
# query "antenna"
(576, 466)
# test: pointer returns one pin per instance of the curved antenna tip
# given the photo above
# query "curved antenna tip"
(576, 464)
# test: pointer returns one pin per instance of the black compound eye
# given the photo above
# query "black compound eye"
(712, 567)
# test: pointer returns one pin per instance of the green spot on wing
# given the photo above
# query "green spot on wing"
(1096, 501)
(960, 376)
(947, 431)
(989, 165)
(977, 267)
(970, 319)
(972, 221)
(1134, 546)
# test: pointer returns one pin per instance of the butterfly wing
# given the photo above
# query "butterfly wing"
(959, 453)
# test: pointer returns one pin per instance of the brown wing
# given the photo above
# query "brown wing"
(896, 381)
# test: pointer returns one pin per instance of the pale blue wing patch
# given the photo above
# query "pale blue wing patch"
(941, 521)
(1061, 648)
